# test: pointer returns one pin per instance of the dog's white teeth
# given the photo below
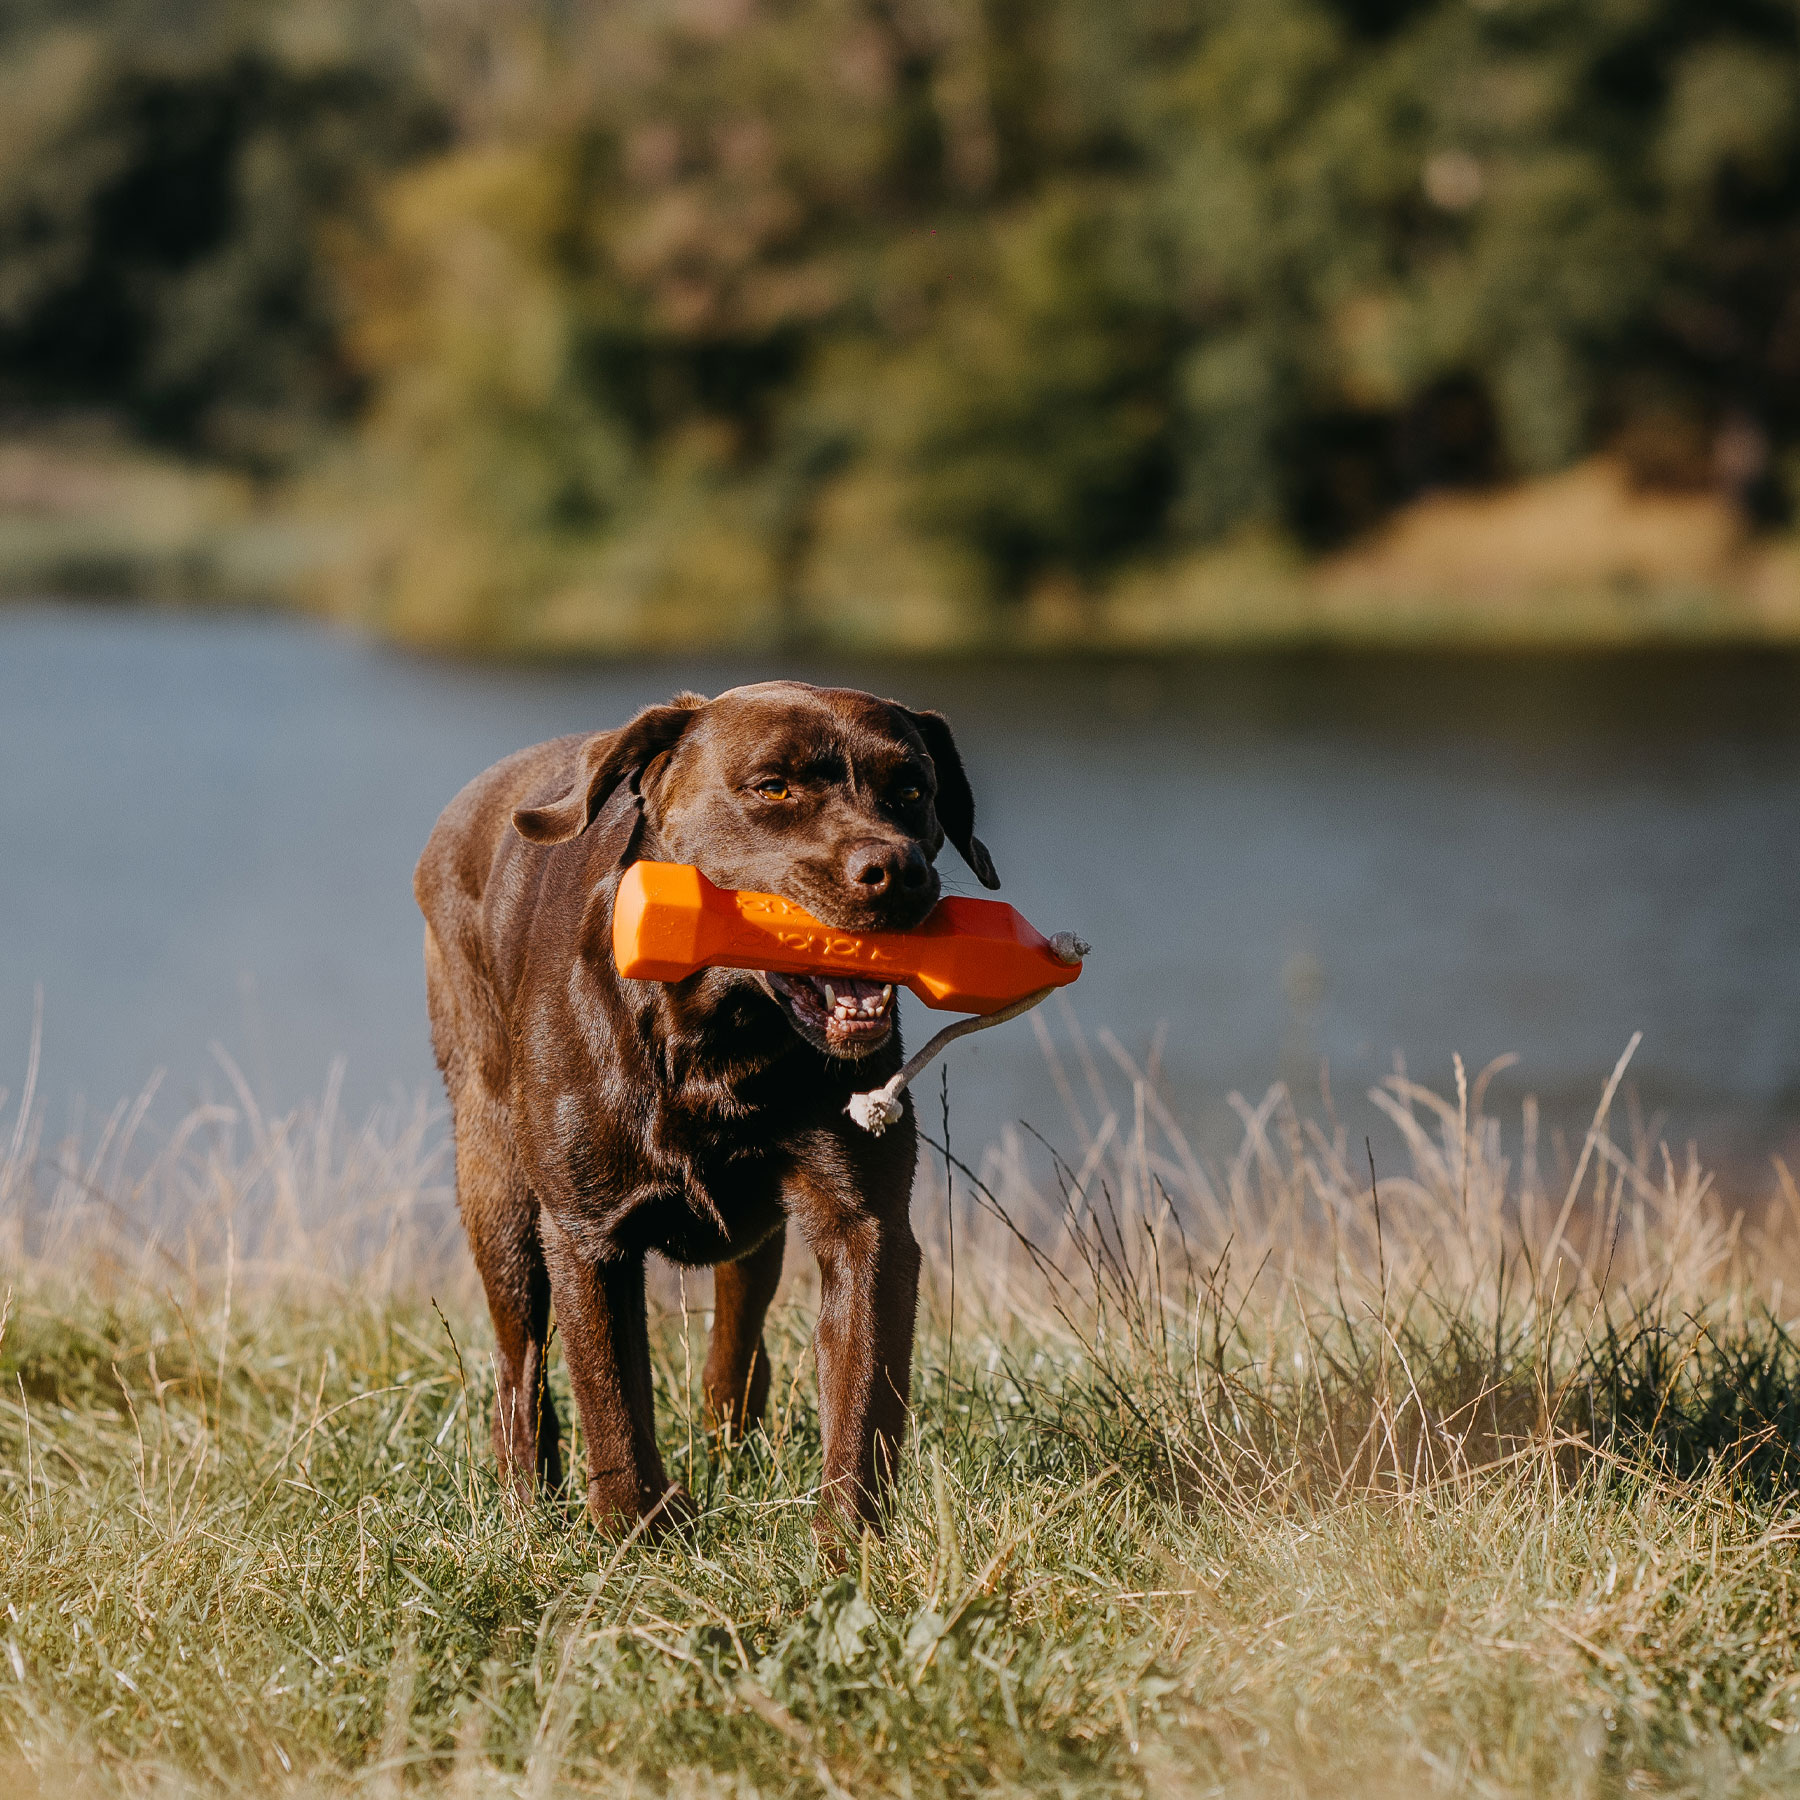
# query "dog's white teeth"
(862, 1003)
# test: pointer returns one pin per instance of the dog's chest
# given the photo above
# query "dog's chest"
(688, 1183)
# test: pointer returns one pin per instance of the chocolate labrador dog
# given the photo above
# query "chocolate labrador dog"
(598, 1119)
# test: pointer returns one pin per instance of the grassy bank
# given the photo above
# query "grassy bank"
(1579, 562)
(1249, 1480)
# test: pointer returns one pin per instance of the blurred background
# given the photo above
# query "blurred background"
(1336, 460)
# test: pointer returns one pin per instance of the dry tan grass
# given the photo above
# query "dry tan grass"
(1247, 1479)
(1584, 558)
(1587, 527)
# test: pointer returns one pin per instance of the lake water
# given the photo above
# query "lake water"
(208, 826)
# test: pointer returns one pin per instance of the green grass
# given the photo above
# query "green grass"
(1228, 1481)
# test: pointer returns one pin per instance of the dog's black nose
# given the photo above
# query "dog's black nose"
(878, 868)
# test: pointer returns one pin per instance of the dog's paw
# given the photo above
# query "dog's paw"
(632, 1515)
(677, 1510)
(838, 1532)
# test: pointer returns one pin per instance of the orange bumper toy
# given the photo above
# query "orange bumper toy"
(974, 956)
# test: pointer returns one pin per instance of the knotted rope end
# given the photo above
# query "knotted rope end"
(876, 1110)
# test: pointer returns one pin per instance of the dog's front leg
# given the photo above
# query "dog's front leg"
(606, 1344)
(868, 1292)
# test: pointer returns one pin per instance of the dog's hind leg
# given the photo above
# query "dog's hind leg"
(501, 1219)
(736, 1377)
(500, 1216)
(600, 1312)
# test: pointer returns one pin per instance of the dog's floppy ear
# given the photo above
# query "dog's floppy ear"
(607, 759)
(955, 802)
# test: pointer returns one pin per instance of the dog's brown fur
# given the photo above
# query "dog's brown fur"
(598, 1119)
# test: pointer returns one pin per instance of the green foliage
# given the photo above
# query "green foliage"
(166, 175)
(744, 314)
(1043, 429)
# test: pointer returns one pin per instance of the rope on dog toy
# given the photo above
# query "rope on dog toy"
(879, 1108)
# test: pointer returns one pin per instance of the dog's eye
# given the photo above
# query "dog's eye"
(772, 787)
(910, 795)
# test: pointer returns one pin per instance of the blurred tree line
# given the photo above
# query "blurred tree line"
(782, 311)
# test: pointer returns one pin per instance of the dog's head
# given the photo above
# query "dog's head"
(831, 798)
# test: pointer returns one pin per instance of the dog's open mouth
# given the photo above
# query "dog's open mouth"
(842, 1016)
